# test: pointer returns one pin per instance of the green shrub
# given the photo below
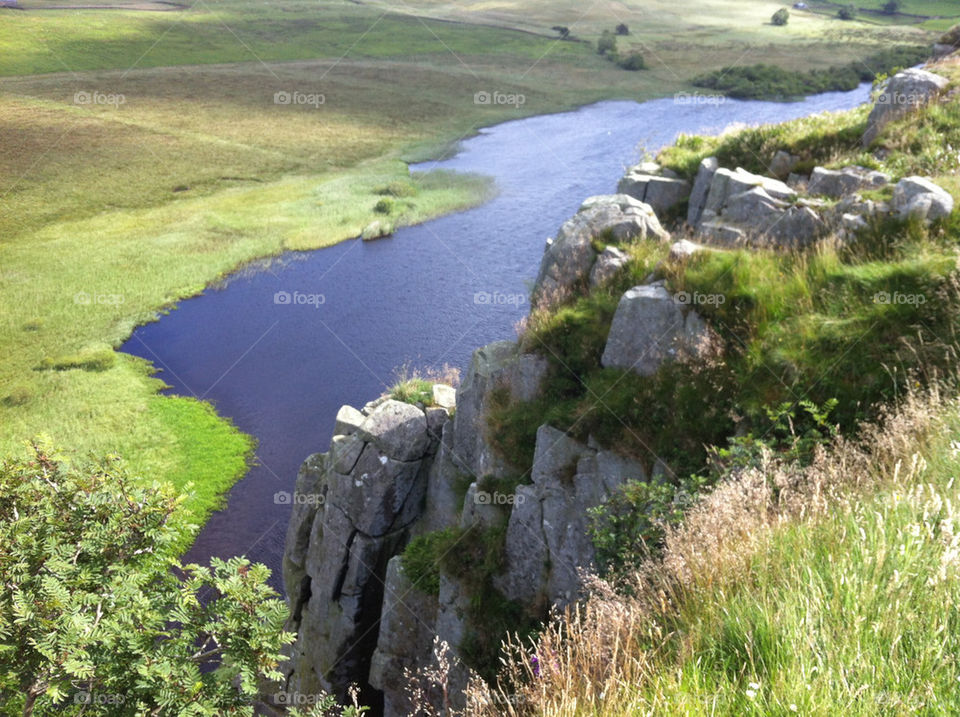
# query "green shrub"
(781, 17)
(413, 390)
(607, 44)
(386, 205)
(847, 12)
(633, 62)
(422, 556)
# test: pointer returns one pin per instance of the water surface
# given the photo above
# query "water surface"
(429, 295)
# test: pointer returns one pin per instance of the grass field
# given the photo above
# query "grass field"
(145, 156)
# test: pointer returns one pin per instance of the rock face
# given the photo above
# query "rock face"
(547, 534)
(570, 257)
(905, 92)
(353, 509)
(839, 183)
(701, 187)
(919, 198)
(651, 327)
(661, 188)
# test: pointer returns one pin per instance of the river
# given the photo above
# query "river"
(429, 295)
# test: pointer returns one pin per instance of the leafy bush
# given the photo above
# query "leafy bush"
(95, 604)
(892, 7)
(422, 556)
(622, 29)
(633, 62)
(385, 206)
(629, 528)
(781, 17)
(847, 12)
(607, 44)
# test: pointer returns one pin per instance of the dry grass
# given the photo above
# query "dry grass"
(618, 654)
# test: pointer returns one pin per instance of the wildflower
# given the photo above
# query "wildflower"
(535, 664)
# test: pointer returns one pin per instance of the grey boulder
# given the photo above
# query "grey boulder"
(905, 92)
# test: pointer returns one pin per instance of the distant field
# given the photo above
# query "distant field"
(145, 154)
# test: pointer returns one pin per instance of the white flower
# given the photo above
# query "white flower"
(751, 694)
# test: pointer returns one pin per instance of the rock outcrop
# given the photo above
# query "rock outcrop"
(571, 255)
(905, 92)
(919, 198)
(839, 183)
(650, 327)
(660, 188)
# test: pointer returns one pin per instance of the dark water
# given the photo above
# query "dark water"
(430, 295)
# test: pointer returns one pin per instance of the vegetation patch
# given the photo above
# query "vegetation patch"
(773, 82)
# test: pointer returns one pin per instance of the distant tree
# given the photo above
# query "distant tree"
(634, 61)
(781, 17)
(607, 44)
(892, 7)
(97, 615)
(563, 31)
(847, 12)
(622, 29)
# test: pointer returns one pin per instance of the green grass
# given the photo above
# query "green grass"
(854, 611)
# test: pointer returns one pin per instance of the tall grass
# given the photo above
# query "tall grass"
(820, 590)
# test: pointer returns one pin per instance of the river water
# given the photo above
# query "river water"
(280, 350)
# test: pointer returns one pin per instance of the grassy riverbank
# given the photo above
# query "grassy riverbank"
(146, 155)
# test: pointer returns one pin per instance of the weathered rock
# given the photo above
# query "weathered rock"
(406, 633)
(650, 327)
(547, 541)
(723, 234)
(782, 164)
(905, 92)
(569, 258)
(855, 204)
(728, 183)
(353, 510)
(659, 188)
(398, 429)
(920, 198)
(701, 186)
(839, 183)
(684, 249)
(444, 396)
(499, 364)
(610, 261)
(348, 421)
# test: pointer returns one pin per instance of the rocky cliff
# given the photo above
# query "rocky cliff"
(396, 470)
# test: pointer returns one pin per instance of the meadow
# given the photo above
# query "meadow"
(147, 155)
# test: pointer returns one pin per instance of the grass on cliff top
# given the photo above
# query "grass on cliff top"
(857, 325)
(829, 591)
